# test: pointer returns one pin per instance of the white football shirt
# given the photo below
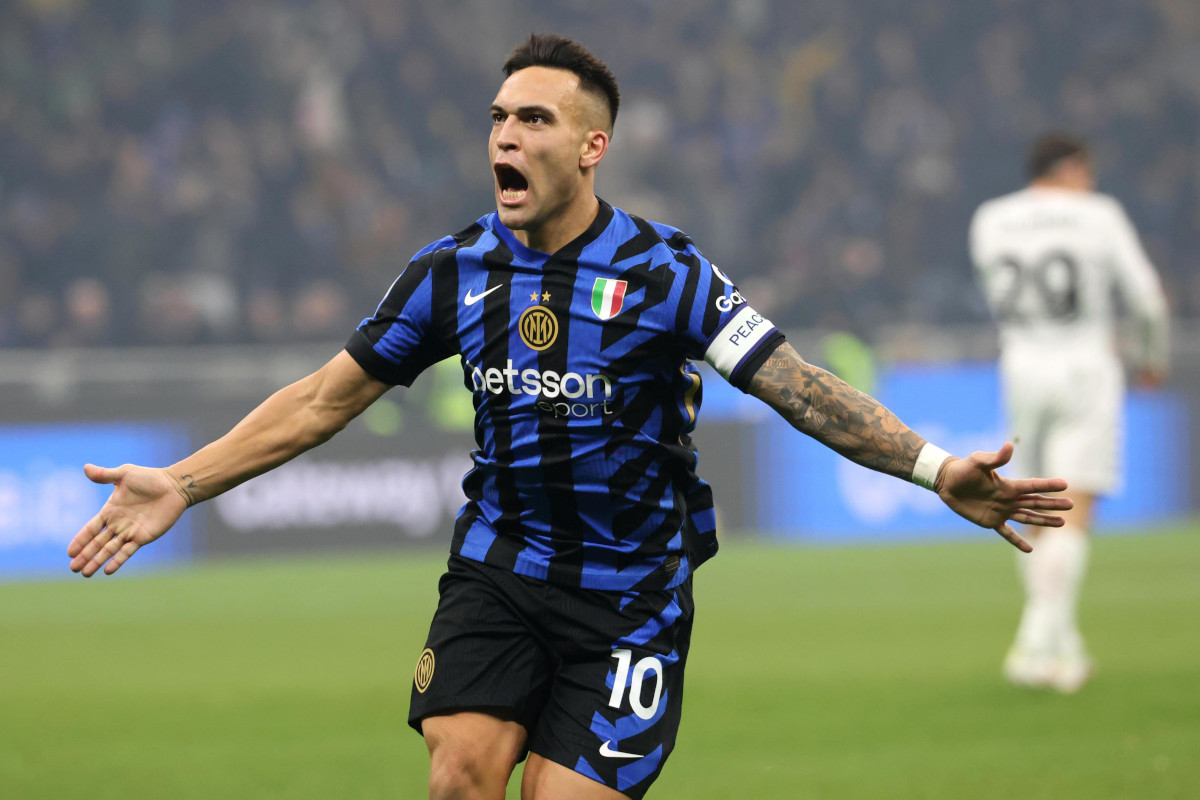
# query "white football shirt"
(1050, 262)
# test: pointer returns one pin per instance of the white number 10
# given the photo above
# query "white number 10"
(647, 664)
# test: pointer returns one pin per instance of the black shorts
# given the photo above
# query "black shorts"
(595, 677)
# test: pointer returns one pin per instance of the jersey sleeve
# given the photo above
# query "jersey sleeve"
(977, 238)
(715, 322)
(1141, 289)
(976, 243)
(401, 340)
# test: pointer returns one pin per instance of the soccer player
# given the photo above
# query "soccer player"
(1050, 258)
(565, 613)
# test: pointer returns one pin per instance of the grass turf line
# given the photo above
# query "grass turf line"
(815, 673)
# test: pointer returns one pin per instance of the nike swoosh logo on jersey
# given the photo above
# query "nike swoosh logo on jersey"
(471, 299)
(608, 752)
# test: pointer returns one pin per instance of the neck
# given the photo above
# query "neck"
(1057, 183)
(562, 227)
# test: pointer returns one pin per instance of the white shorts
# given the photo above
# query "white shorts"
(1065, 416)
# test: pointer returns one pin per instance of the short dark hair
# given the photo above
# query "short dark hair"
(559, 52)
(1050, 150)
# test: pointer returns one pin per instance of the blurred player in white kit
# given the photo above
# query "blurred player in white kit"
(1050, 258)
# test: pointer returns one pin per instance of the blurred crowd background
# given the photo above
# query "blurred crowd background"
(238, 171)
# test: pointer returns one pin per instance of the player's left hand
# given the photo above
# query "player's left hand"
(973, 490)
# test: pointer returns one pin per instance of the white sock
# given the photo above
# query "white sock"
(1035, 634)
(1074, 545)
(1052, 575)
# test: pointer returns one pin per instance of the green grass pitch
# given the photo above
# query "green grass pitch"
(815, 673)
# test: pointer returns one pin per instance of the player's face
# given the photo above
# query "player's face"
(537, 146)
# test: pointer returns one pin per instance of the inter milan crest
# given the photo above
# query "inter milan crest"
(424, 672)
(538, 327)
(607, 297)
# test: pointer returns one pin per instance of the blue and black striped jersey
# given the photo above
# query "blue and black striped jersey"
(585, 395)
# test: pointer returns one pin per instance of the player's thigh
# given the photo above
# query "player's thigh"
(471, 752)
(480, 654)
(1026, 408)
(1083, 443)
(616, 702)
(547, 780)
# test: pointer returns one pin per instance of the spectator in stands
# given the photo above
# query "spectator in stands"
(232, 146)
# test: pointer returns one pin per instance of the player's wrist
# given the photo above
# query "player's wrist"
(929, 465)
(184, 486)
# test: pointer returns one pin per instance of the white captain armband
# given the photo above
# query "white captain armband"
(928, 463)
(733, 349)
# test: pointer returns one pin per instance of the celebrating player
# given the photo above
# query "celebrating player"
(1050, 257)
(566, 610)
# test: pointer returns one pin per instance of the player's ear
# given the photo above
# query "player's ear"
(593, 148)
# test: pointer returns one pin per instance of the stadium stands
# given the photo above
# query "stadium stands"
(187, 173)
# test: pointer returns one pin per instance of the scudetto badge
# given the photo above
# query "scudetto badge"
(538, 327)
(424, 673)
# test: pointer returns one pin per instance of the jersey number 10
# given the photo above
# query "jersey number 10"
(1045, 287)
(649, 664)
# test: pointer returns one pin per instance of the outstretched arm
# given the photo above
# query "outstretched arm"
(146, 502)
(858, 427)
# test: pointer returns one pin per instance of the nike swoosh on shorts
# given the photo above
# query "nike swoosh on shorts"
(607, 751)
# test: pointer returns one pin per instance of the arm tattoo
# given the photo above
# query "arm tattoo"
(836, 414)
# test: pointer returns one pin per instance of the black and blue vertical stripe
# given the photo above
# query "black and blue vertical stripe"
(584, 472)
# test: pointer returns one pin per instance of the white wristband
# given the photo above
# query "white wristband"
(928, 463)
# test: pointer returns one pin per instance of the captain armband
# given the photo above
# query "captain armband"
(742, 345)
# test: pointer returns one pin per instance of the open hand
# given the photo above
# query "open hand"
(144, 504)
(973, 490)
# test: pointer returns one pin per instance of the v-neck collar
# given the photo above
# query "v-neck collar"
(604, 215)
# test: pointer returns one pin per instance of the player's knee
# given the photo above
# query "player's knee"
(458, 772)
(454, 779)
(471, 755)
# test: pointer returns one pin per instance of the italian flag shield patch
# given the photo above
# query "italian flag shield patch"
(607, 297)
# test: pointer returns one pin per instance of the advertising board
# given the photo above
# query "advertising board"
(45, 497)
(805, 491)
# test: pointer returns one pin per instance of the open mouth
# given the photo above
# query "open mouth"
(513, 185)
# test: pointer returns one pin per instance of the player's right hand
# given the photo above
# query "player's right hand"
(144, 504)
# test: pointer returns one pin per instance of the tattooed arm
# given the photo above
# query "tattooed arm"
(858, 427)
(836, 414)
(146, 502)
